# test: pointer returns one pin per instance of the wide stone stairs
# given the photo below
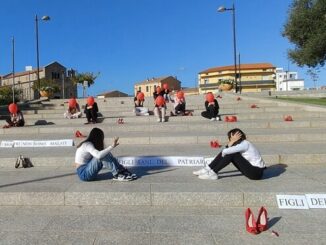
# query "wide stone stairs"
(167, 204)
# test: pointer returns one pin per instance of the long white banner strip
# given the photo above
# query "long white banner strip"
(162, 161)
(37, 143)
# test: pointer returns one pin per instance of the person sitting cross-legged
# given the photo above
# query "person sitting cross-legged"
(73, 109)
(91, 110)
(212, 108)
(91, 156)
(140, 110)
(16, 117)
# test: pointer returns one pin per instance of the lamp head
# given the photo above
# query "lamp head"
(221, 9)
(45, 18)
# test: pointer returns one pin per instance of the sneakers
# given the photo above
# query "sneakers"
(121, 177)
(213, 119)
(129, 174)
(158, 120)
(124, 175)
(211, 175)
(201, 171)
(163, 119)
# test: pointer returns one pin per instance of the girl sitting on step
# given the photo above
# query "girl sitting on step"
(239, 151)
(212, 108)
(91, 156)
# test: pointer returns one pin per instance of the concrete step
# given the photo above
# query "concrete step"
(154, 126)
(197, 109)
(131, 118)
(158, 186)
(196, 115)
(152, 225)
(173, 135)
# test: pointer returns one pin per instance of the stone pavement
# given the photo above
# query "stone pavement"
(48, 204)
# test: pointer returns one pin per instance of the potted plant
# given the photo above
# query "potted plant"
(225, 84)
(47, 87)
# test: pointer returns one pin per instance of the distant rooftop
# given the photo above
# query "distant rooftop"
(242, 67)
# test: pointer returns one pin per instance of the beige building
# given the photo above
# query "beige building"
(254, 77)
(54, 71)
(148, 86)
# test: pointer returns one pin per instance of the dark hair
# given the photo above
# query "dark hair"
(96, 137)
(233, 131)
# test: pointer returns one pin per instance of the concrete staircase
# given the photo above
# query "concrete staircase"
(167, 204)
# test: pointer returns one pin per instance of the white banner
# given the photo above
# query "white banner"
(162, 161)
(316, 200)
(37, 143)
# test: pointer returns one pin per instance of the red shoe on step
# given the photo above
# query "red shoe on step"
(262, 221)
(251, 224)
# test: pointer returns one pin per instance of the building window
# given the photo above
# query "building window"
(205, 80)
(154, 87)
(139, 89)
(55, 75)
(147, 89)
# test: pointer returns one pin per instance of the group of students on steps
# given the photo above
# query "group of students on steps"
(91, 154)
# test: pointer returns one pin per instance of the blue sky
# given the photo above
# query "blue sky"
(130, 40)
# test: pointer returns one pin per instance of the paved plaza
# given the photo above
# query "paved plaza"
(48, 204)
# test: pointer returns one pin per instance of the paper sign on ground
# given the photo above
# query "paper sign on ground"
(37, 143)
(316, 200)
(292, 202)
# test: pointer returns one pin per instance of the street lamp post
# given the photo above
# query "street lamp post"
(13, 69)
(63, 84)
(222, 9)
(45, 18)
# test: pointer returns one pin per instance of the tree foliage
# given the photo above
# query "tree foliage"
(90, 77)
(47, 85)
(6, 95)
(306, 29)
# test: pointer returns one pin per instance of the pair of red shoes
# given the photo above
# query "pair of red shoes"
(215, 144)
(288, 118)
(254, 106)
(120, 121)
(78, 134)
(231, 119)
(253, 226)
(238, 98)
(219, 96)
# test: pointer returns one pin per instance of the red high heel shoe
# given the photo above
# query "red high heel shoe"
(262, 221)
(251, 225)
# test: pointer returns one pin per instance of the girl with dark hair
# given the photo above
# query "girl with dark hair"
(91, 156)
(243, 154)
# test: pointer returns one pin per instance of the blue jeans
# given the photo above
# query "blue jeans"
(89, 171)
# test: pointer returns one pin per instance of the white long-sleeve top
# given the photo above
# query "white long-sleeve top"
(178, 101)
(87, 151)
(248, 151)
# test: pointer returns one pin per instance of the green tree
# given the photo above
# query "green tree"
(306, 29)
(90, 77)
(47, 85)
(6, 95)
